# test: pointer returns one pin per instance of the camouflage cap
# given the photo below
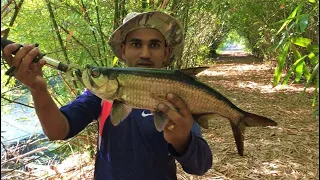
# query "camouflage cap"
(166, 24)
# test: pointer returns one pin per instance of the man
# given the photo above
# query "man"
(134, 149)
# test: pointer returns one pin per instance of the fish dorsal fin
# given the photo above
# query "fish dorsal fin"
(193, 71)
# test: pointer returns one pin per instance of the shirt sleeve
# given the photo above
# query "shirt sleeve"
(80, 112)
(198, 157)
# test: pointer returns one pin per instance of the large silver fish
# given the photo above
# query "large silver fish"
(145, 88)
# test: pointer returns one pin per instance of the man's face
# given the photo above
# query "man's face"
(145, 48)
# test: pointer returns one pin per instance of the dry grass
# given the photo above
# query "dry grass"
(288, 151)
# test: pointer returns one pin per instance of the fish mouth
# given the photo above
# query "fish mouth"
(78, 73)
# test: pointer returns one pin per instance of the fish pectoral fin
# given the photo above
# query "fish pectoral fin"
(202, 119)
(119, 112)
(160, 120)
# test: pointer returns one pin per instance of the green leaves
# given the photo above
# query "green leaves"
(303, 23)
(281, 62)
(300, 41)
(313, 48)
(290, 18)
(114, 61)
(315, 75)
(306, 53)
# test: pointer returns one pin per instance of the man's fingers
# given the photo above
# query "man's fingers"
(171, 114)
(36, 68)
(21, 54)
(8, 50)
(179, 104)
(28, 58)
(170, 124)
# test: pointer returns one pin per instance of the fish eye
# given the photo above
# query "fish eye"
(95, 72)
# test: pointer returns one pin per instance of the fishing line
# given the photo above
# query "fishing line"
(31, 135)
(20, 137)
(26, 105)
(15, 126)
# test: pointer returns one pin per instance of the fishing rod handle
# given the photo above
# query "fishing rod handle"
(49, 61)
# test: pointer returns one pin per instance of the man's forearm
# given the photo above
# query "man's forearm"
(53, 122)
(198, 158)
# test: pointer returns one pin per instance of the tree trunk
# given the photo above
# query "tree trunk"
(123, 11)
(103, 42)
(116, 15)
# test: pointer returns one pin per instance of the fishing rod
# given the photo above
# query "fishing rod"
(55, 64)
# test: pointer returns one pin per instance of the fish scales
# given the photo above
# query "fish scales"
(146, 93)
(146, 88)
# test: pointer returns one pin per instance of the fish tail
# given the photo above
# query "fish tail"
(248, 120)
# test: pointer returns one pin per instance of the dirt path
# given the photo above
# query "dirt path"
(288, 151)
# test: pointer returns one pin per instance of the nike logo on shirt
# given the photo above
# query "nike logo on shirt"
(143, 114)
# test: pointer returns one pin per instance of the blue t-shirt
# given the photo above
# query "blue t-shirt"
(135, 149)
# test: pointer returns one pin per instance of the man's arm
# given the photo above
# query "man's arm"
(197, 158)
(81, 112)
(53, 122)
(56, 124)
(184, 139)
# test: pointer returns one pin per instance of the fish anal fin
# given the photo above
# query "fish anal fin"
(119, 112)
(253, 120)
(203, 119)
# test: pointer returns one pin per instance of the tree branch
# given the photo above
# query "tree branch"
(101, 34)
(82, 45)
(17, 9)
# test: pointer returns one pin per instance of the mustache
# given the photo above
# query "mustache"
(145, 61)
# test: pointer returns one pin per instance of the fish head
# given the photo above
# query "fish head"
(100, 82)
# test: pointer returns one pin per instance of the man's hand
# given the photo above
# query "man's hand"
(178, 128)
(28, 73)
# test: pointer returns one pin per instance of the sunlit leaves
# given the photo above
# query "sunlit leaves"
(280, 65)
(306, 52)
(303, 23)
(297, 65)
(300, 41)
(114, 61)
(314, 77)
(290, 18)
(313, 48)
